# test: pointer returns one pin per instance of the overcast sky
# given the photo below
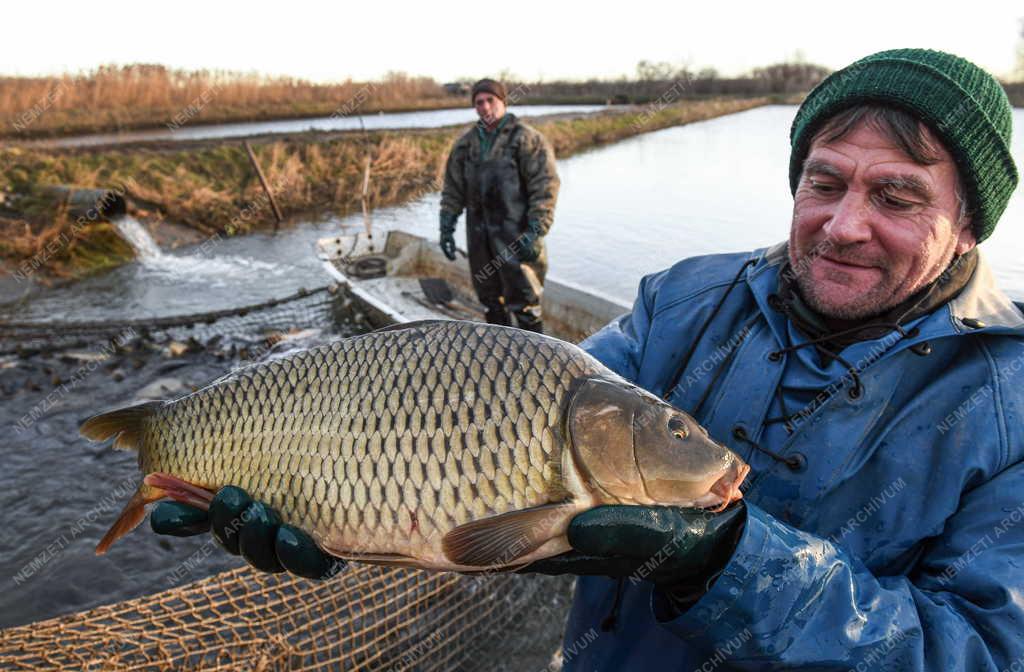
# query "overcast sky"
(327, 41)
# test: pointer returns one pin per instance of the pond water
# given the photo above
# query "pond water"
(339, 122)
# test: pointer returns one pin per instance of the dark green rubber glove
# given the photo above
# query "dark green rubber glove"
(248, 528)
(679, 550)
(528, 244)
(448, 220)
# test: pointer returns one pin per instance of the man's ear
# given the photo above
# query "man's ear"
(965, 240)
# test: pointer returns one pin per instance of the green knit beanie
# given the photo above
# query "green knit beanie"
(964, 105)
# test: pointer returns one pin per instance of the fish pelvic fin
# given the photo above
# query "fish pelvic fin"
(154, 487)
(131, 515)
(180, 490)
(124, 424)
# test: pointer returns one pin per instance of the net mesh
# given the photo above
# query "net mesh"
(366, 618)
(305, 309)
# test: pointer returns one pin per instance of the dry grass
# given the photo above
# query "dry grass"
(60, 247)
(121, 97)
(214, 191)
(114, 98)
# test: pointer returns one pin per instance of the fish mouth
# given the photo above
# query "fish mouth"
(726, 489)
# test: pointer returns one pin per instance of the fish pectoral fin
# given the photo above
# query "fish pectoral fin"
(499, 540)
(486, 571)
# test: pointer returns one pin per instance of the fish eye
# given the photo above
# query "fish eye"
(678, 428)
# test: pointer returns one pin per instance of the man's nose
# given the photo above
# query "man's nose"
(851, 220)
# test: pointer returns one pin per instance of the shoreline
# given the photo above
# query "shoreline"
(209, 187)
(162, 119)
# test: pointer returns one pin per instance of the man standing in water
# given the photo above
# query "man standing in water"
(868, 370)
(502, 173)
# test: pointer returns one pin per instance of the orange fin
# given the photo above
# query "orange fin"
(131, 515)
(154, 487)
(179, 490)
(125, 424)
(499, 540)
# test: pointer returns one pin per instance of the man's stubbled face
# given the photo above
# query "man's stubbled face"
(489, 108)
(870, 226)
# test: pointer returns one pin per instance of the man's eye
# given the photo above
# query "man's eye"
(823, 187)
(895, 203)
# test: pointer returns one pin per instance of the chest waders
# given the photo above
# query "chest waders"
(496, 220)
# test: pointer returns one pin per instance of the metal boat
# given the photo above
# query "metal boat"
(401, 277)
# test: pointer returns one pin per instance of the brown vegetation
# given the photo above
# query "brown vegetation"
(113, 98)
(213, 190)
(133, 96)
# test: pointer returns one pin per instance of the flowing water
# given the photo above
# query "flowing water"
(146, 249)
(625, 210)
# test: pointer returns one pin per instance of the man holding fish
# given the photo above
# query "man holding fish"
(863, 373)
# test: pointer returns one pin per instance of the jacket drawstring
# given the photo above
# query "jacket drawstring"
(674, 380)
(796, 462)
(724, 366)
(858, 387)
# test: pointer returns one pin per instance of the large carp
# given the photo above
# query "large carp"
(440, 444)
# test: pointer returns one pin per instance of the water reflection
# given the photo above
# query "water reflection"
(625, 210)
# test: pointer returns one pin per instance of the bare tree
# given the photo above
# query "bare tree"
(789, 77)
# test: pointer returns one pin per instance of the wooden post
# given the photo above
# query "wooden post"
(365, 199)
(266, 187)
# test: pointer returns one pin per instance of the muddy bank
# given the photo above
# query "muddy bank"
(210, 188)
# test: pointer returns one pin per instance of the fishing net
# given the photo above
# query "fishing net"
(324, 308)
(366, 618)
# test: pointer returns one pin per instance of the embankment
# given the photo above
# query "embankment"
(210, 187)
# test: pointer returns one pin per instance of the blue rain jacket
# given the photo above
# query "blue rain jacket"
(900, 543)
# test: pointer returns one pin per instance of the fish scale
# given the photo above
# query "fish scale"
(364, 365)
(383, 446)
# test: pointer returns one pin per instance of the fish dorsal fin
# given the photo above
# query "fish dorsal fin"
(123, 423)
(499, 540)
(416, 324)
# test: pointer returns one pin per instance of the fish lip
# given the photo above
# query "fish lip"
(726, 488)
(728, 485)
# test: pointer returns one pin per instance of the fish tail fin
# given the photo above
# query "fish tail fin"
(124, 424)
(131, 515)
